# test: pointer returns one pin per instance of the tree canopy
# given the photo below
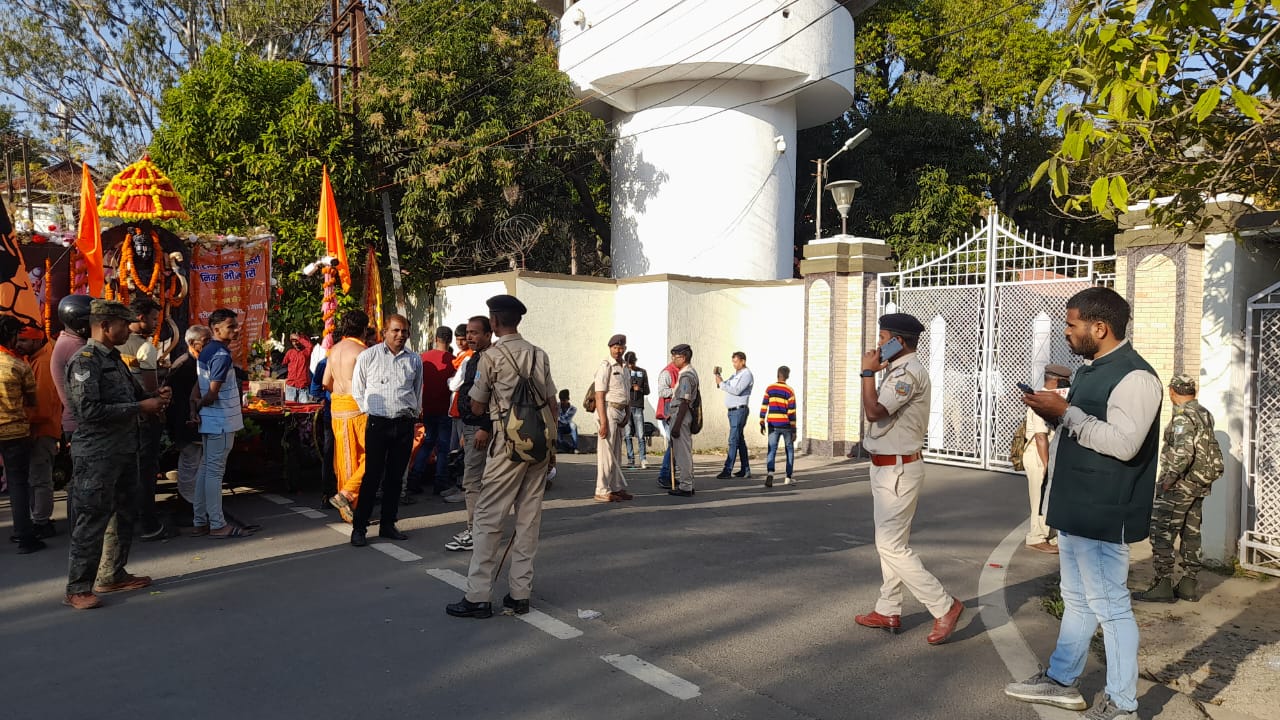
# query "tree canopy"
(1176, 99)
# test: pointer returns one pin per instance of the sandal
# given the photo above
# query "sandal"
(229, 531)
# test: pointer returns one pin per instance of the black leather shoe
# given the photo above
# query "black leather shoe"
(466, 608)
(680, 493)
(724, 475)
(519, 607)
(358, 538)
(743, 473)
(45, 530)
(390, 532)
(30, 546)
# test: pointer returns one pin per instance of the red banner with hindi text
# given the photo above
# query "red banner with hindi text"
(236, 276)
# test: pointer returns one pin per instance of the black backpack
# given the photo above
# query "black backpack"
(524, 423)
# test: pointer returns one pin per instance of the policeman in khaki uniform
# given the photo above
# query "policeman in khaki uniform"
(899, 417)
(1190, 461)
(106, 401)
(506, 482)
(613, 396)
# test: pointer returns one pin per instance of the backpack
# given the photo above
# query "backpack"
(1018, 446)
(695, 423)
(589, 402)
(523, 423)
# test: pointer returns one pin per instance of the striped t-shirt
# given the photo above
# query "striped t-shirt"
(778, 408)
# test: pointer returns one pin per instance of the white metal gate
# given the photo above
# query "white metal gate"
(1260, 511)
(994, 307)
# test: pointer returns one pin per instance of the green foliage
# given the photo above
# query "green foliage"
(1176, 99)
(948, 89)
(244, 141)
(454, 102)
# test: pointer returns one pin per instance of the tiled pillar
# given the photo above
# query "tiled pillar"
(840, 320)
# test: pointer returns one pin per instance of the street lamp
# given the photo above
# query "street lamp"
(849, 144)
(842, 192)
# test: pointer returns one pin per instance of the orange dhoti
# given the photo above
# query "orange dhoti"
(348, 444)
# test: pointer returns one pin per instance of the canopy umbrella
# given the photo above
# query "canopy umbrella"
(141, 192)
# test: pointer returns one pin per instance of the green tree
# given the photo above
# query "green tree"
(244, 141)
(489, 158)
(948, 88)
(98, 67)
(1176, 98)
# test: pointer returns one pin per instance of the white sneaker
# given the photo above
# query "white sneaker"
(460, 542)
(789, 481)
(644, 464)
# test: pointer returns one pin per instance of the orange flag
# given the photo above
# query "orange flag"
(89, 234)
(373, 291)
(329, 231)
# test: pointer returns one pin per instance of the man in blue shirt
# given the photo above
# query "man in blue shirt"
(323, 433)
(737, 395)
(220, 420)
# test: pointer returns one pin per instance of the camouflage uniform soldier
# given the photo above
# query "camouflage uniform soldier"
(1190, 461)
(106, 402)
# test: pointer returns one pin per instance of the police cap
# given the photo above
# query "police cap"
(110, 309)
(683, 350)
(506, 303)
(901, 324)
(1183, 384)
(618, 339)
(1058, 371)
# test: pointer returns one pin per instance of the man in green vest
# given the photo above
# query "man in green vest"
(1102, 471)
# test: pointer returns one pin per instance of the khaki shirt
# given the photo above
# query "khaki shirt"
(613, 378)
(905, 394)
(496, 377)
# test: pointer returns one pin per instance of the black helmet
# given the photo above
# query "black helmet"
(73, 311)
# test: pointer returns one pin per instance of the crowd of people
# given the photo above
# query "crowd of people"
(1089, 445)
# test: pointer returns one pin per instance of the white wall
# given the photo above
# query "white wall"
(1233, 271)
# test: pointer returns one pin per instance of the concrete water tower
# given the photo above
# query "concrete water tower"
(706, 97)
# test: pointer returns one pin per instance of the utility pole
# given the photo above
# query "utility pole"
(26, 171)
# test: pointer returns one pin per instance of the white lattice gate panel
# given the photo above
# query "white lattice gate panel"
(1260, 545)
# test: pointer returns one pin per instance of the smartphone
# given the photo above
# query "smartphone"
(889, 349)
(1026, 388)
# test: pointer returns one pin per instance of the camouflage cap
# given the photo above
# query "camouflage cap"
(1183, 384)
(107, 309)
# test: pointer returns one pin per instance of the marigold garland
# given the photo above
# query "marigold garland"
(48, 297)
(130, 268)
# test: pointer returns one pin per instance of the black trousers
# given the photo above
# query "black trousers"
(388, 443)
(324, 446)
(17, 468)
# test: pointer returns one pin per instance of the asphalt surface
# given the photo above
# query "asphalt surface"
(737, 603)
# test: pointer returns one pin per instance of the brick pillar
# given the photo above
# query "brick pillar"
(840, 286)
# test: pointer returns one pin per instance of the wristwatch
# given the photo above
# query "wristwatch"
(868, 373)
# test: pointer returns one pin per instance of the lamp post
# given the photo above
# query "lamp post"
(842, 192)
(849, 144)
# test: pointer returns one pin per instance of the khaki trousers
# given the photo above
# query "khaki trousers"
(473, 460)
(609, 476)
(894, 492)
(1039, 532)
(682, 455)
(506, 483)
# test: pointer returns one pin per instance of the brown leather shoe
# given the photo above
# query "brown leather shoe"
(892, 623)
(1045, 547)
(622, 496)
(130, 582)
(606, 497)
(83, 601)
(945, 625)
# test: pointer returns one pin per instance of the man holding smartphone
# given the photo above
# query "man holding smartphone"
(899, 415)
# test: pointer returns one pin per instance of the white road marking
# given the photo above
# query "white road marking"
(676, 687)
(309, 513)
(396, 552)
(342, 529)
(536, 618)
(277, 499)
(1010, 645)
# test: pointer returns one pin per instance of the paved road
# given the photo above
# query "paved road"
(737, 603)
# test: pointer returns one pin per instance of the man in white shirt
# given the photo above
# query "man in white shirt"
(737, 396)
(1035, 462)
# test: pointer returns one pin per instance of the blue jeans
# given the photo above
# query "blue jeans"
(788, 438)
(635, 430)
(737, 443)
(438, 431)
(207, 504)
(1094, 591)
(664, 473)
(293, 394)
(569, 431)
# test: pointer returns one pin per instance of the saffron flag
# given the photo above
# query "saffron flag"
(373, 291)
(89, 233)
(329, 231)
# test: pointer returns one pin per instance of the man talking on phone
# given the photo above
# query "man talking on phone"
(899, 415)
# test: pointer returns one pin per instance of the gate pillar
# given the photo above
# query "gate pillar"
(840, 286)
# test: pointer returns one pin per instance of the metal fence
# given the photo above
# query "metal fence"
(1260, 520)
